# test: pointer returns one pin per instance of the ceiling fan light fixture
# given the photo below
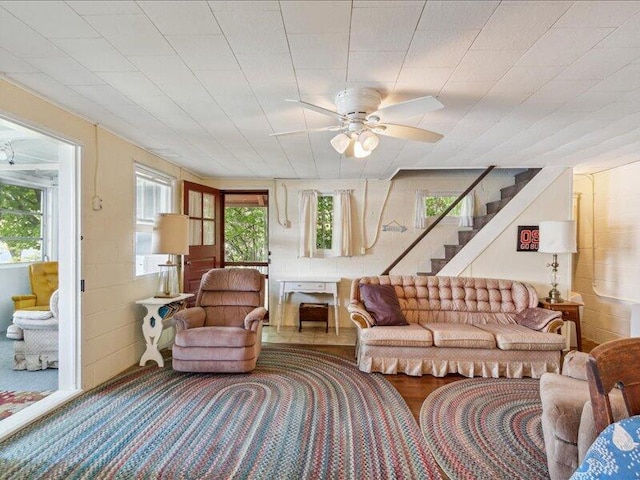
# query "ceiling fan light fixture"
(340, 142)
(368, 140)
(359, 151)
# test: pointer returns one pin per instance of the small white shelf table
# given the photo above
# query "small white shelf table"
(153, 323)
(326, 285)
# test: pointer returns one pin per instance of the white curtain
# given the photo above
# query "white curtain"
(421, 211)
(468, 207)
(307, 220)
(341, 241)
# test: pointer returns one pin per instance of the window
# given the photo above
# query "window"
(430, 205)
(154, 194)
(22, 223)
(436, 204)
(324, 223)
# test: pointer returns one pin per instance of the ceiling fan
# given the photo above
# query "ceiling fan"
(361, 121)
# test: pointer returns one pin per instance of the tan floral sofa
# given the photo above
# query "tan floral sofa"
(471, 326)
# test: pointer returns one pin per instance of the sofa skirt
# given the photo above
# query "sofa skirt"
(469, 362)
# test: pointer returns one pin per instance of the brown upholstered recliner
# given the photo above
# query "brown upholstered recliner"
(222, 333)
(43, 277)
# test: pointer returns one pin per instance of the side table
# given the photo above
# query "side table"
(570, 313)
(153, 323)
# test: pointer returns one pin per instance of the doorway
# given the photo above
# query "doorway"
(39, 222)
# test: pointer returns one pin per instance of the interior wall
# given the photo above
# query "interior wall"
(111, 332)
(616, 224)
(14, 280)
(399, 207)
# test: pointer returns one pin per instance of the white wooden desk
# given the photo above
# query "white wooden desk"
(153, 323)
(327, 285)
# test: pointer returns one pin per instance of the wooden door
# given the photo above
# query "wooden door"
(203, 206)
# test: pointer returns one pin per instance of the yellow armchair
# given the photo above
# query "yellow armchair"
(43, 277)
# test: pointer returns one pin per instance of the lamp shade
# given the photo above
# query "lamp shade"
(557, 237)
(170, 234)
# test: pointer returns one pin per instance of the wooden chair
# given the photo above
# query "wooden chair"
(614, 364)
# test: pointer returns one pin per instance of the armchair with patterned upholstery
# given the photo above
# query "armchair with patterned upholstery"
(223, 332)
(43, 277)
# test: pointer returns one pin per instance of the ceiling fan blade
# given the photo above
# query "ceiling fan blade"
(318, 108)
(406, 132)
(410, 108)
(332, 128)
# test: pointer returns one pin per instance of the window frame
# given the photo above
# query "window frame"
(47, 241)
(144, 224)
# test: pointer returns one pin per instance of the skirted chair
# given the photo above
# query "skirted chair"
(43, 277)
(223, 332)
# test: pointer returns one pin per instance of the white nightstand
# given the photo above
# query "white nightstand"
(153, 323)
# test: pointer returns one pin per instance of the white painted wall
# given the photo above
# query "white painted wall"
(400, 207)
(616, 225)
(14, 280)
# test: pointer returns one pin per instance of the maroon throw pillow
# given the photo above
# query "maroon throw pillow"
(382, 303)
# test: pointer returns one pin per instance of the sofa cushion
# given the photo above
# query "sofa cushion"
(381, 302)
(517, 337)
(460, 336)
(411, 335)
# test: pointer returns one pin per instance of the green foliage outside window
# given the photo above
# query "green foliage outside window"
(21, 222)
(436, 205)
(245, 234)
(324, 230)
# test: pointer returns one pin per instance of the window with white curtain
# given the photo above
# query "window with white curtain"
(431, 204)
(154, 194)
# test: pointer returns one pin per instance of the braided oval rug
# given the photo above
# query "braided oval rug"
(301, 414)
(486, 428)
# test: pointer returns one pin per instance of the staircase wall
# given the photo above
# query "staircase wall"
(492, 252)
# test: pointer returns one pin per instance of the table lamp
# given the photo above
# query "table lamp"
(556, 237)
(170, 236)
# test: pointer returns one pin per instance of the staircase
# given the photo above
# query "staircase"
(506, 194)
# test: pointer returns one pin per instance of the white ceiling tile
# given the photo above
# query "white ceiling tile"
(253, 31)
(627, 35)
(319, 51)
(383, 29)
(271, 96)
(518, 25)
(378, 66)
(423, 80)
(224, 82)
(485, 65)
(239, 106)
(625, 80)
(104, 7)
(562, 46)
(599, 63)
(562, 91)
(204, 52)
(11, 64)
(598, 14)
(22, 41)
(131, 84)
(276, 67)
(439, 48)
(316, 16)
(96, 54)
(525, 79)
(181, 18)
(66, 71)
(43, 84)
(162, 68)
(51, 19)
(4, 13)
(131, 34)
(319, 82)
(105, 96)
(186, 92)
(244, 5)
(456, 15)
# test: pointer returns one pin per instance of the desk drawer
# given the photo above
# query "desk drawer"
(306, 286)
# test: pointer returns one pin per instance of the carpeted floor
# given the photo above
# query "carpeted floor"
(299, 415)
(486, 429)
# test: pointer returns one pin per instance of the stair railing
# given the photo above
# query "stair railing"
(438, 220)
